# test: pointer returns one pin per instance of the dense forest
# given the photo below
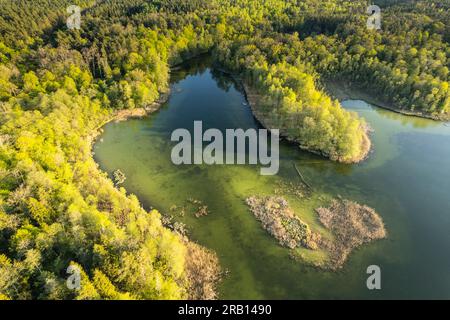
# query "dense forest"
(58, 86)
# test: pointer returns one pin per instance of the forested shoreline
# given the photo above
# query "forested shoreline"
(57, 86)
(58, 209)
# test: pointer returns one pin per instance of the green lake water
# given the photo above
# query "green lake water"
(406, 180)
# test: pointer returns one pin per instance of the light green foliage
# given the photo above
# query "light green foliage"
(292, 102)
(58, 86)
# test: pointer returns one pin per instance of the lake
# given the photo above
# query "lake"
(406, 180)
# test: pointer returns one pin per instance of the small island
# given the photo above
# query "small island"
(350, 224)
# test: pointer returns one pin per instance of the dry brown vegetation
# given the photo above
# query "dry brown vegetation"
(281, 222)
(125, 114)
(352, 225)
(258, 105)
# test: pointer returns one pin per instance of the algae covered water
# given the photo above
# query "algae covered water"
(406, 180)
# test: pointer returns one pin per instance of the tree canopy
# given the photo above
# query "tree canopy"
(58, 86)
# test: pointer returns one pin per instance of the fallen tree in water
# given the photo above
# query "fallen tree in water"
(350, 223)
(301, 177)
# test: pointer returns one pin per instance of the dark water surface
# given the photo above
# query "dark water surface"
(406, 180)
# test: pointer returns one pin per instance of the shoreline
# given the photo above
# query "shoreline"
(209, 288)
(125, 114)
(252, 99)
(198, 258)
(343, 90)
